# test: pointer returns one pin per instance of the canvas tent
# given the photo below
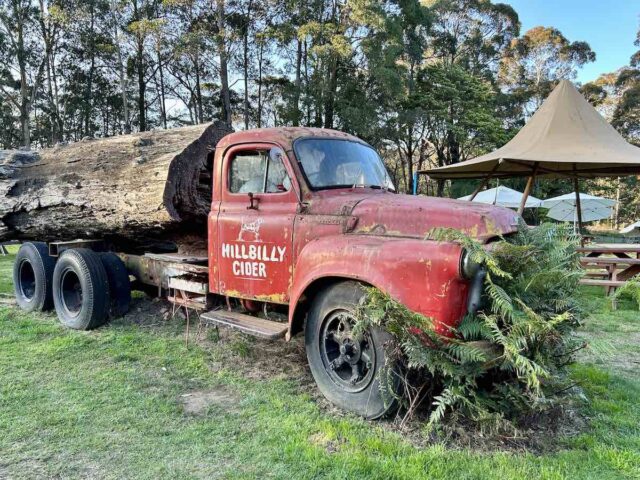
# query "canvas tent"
(566, 137)
(504, 197)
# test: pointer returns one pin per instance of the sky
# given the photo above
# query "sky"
(609, 26)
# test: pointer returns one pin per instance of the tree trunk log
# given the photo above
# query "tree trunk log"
(148, 190)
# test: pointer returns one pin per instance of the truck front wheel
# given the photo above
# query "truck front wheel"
(81, 289)
(345, 367)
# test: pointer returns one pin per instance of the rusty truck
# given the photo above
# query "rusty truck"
(302, 220)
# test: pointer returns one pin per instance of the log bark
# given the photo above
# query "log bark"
(146, 190)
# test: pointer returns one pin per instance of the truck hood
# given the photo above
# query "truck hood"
(388, 214)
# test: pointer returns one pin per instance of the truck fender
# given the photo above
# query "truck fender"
(424, 275)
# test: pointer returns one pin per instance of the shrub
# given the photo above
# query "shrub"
(509, 358)
(630, 289)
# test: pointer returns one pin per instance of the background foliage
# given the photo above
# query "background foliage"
(427, 82)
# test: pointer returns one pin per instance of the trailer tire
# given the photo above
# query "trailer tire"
(33, 277)
(346, 369)
(119, 284)
(81, 289)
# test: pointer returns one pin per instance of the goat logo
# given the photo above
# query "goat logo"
(251, 227)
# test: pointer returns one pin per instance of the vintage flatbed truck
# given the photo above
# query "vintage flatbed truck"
(300, 221)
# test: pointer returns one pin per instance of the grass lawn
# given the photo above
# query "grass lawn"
(129, 400)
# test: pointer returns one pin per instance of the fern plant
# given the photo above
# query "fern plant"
(505, 360)
(631, 289)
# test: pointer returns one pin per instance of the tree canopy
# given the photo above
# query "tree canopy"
(427, 82)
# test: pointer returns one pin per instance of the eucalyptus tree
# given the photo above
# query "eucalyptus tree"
(22, 59)
(472, 33)
(535, 62)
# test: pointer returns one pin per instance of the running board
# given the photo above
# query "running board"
(248, 324)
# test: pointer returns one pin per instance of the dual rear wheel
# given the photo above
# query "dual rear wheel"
(86, 288)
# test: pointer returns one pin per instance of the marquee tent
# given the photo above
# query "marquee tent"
(566, 137)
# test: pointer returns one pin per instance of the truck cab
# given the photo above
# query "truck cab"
(295, 208)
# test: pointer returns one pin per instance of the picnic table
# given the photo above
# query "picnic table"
(609, 265)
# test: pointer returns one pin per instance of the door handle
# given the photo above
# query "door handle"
(253, 202)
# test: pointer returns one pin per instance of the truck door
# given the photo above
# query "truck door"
(255, 223)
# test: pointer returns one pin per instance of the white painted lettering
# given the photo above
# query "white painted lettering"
(250, 260)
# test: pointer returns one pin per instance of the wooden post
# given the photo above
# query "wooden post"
(485, 180)
(528, 188)
(576, 186)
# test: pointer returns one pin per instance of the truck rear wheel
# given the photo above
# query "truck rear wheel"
(346, 368)
(81, 289)
(33, 276)
(119, 284)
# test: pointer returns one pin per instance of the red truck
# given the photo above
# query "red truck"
(301, 221)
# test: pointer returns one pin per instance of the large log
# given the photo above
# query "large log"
(142, 190)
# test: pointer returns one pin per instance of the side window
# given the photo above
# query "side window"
(247, 172)
(258, 172)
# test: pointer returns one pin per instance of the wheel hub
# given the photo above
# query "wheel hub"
(349, 359)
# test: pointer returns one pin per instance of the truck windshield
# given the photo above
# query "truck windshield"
(329, 163)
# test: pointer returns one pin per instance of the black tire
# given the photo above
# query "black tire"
(33, 277)
(119, 284)
(362, 360)
(81, 289)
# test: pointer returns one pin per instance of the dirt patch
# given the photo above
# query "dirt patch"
(198, 402)
(323, 441)
(149, 312)
(618, 353)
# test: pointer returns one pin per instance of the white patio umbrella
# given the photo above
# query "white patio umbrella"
(631, 230)
(563, 208)
(503, 197)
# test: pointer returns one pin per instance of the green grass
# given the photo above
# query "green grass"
(6, 263)
(108, 404)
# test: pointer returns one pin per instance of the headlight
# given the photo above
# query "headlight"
(468, 268)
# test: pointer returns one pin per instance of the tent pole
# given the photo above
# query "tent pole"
(528, 189)
(576, 185)
(484, 182)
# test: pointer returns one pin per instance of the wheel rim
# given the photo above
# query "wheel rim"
(349, 360)
(71, 292)
(27, 280)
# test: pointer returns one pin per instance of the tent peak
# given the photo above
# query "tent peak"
(566, 136)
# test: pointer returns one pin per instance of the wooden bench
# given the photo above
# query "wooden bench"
(602, 283)
(617, 270)
(611, 272)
